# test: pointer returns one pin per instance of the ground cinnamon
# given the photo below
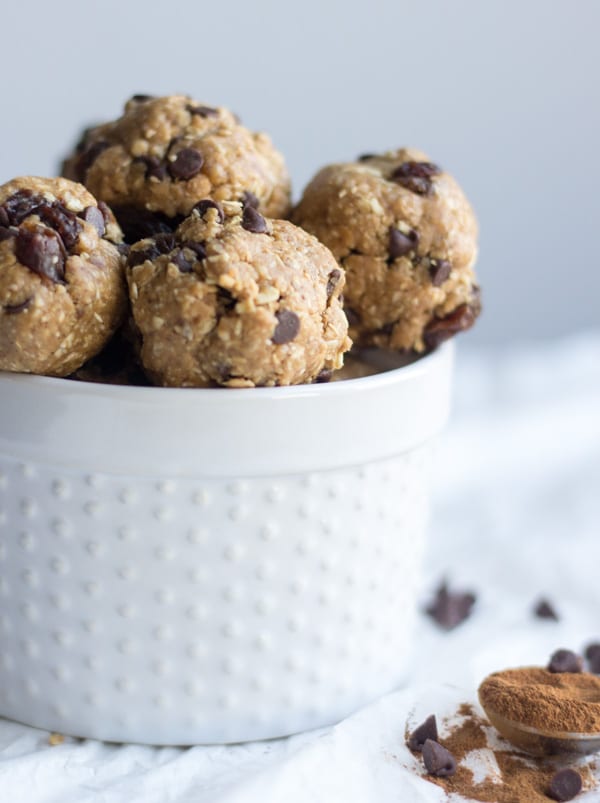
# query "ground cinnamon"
(544, 700)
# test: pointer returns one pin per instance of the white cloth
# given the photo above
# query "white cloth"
(516, 516)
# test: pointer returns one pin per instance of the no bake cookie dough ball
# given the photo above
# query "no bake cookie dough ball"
(234, 299)
(62, 288)
(165, 154)
(407, 238)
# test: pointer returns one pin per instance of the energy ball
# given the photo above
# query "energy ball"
(164, 154)
(62, 287)
(234, 299)
(407, 237)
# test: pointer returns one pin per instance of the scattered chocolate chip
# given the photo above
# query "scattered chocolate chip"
(165, 242)
(400, 244)
(138, 224)
(416, 176)
(7, 233)
(94, 216)
(21, 204)
(249, 199)
(544, 610)
(202, 111)
(253, 221)
(187, 164)
(203, 206)
(323, 376)
(89, 156)
(353, 316)
(140, 255)
(450, 608)
(333, 281)
(439, 271)
(184, 264)
(64, 222)
(426, 730)
(198, 248)
(364, 157)
(155, 167)
(226, 298)
(288, 326)
(565, 785)
(565, 661)
(41, 250)
(438, 761)
(440, 329)
(142, 98)
(592, 654)
(14, 309)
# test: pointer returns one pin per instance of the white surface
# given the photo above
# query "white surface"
(502, 94)
(517, 517)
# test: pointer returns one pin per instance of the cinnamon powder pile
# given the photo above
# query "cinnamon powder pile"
(521, 779)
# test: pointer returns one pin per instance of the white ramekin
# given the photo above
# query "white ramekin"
(188, 566)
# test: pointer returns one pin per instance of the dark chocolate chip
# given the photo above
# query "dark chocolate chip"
(4, 219)
(138, 224)
(155, 167)
(203, 111)
(249, 199)
(333, 281)
(94, 216)
(106, 213)
(439, 271)
(565, 661)
(416, 176)
(165, 242)
(198, 248)
(14, 309)
(203, 206)
(140, 255)
(142, 98)
(401, 244)
(438, 761)
(288, 326)
(460, 319)
(226, 298)
(544, 610)
(565, 785)
(592, 653)
(187, 164)
(364, 157)
(426, 730)
(253, 221)
(21, 204)
(89, 156)
(323, 376)
(41, 250)
(7, 233)
(450, 608)
(64, 222)
(184, 264)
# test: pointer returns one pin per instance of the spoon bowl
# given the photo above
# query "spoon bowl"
(544, 743)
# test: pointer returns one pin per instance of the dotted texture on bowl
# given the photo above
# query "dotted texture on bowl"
(182, 611)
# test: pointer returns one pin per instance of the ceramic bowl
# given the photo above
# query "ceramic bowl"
(189, 566)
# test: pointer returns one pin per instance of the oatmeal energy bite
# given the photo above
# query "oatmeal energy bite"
(407, 238)
(232, 298)
(164, 154)
(62, 289)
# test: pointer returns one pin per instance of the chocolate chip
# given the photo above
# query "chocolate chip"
(21, 204)
(139, 255)
(226, 298)
(544, 610)
(198, 248)
(165, 242)
(439, 270)
(400, 243)
(253, 221)
(592, 653)
(565, 785)
(416, 176)
(138, 224)
(7, 233)
(4, 220)
(565, 661)
(142, 98)
(89, 156)
(249, 199)
(154, 167)
(440, 329)
(288, 326)
(323, 376)
(364, 157)
(14, 309)
(183, 263)
(438, 761)
(187, 164)
(333, 281)
(203, 206)
(41, 250)
(450, 608)
(106, 213)
(64, 222)
(203, 111)
(123, 249)
(426, 730)
(93, 215)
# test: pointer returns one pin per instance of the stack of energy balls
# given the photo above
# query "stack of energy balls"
(169, 253)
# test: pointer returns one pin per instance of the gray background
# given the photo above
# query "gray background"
(502, 94)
